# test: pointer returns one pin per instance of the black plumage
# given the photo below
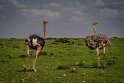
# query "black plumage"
(40, 41)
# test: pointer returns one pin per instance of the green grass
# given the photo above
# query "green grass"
(61, 61)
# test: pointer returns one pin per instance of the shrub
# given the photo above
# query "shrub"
(62, 40)
(63, 67)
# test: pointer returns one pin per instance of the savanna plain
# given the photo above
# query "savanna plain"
(62, 60)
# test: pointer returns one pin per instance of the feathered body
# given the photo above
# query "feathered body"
(34, 40)
(97, 41)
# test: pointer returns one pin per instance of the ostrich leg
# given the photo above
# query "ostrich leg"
(98, 57)
(104, 57)
(37, 53)
(27, 57)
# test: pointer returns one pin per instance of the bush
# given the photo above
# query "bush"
(62, 40)
(63, 67)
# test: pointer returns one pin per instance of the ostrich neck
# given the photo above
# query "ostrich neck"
(94, 30)
(45, 29)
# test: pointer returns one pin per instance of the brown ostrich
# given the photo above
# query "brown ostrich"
(37, 43)
(97, 42)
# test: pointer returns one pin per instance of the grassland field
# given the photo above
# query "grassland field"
(62, 60)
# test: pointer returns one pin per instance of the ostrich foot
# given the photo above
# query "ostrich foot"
(99, 66)
(103, 67)
(25, 67)
(33, 69)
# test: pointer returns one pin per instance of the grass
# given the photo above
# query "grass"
(63, 60)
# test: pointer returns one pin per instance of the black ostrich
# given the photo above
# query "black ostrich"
(37, 43)
(97, 42)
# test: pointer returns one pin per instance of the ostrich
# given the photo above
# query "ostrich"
(37, 43)
(97, 42)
